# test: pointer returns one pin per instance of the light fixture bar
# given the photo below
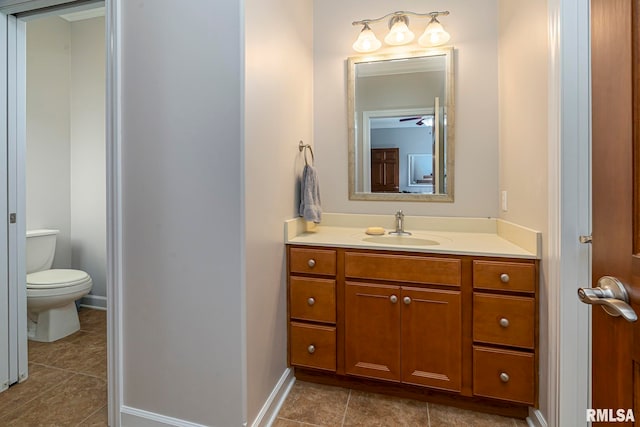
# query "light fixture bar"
(399, 32)
(400, 13)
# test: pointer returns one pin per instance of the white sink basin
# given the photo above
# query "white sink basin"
(400, 240)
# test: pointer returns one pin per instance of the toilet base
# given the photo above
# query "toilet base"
(53, 324)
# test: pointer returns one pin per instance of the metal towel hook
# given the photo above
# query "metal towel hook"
(301, 147)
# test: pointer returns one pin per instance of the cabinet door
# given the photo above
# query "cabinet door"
(372, 330)
(431, 338)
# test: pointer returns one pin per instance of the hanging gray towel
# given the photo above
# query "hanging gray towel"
(310, 195)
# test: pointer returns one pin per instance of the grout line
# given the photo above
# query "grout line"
(428, 416)
(91, 415)
(346, 407)
(299, 422)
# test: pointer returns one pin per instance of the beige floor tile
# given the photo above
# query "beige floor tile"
(55, 394)
(41, 379)
(445, 416)
(93, 320)
(67, 404)
(98, 419)
(315, 404)
(370, 409)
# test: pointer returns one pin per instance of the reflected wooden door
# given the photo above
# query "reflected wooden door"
(616, 206)
(385, 170)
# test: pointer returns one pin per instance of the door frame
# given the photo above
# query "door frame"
(8, 8)
(568, 262)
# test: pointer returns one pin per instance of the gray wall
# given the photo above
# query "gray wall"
(182, 207)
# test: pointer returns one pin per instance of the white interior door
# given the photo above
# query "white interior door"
(13, 298)
(5, 348)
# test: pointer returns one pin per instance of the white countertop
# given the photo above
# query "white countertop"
(459, 236)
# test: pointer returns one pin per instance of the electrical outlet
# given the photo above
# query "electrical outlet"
(504, 200)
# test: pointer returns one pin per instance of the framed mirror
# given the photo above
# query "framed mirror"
(401, 126)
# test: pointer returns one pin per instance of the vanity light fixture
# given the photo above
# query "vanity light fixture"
(399, 32)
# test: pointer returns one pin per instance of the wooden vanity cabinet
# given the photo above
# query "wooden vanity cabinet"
(465, 326)
(312, 308)
(505, 330)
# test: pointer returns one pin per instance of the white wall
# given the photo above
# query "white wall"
(182, 207)
(48, 129)
(66, 140)
(473, 27)
(88, 174)
(278, 114)
(523, 53)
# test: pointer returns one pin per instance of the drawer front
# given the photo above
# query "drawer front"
(504, 320)
(312, 299)
(403, 268)
(506, 375)
(505, 276)
(313, 346)
(313, 261)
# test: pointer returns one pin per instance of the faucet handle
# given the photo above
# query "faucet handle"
(399, 214)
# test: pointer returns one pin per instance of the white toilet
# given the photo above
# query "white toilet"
(51, 294)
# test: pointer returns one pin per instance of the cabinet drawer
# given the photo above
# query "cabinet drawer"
(313, 346)
(504, 276)
(312, 299)
(313, 261)
(504, 320)
(403, 268)
(502, 374)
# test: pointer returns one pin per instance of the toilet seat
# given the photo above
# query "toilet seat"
(57, 278)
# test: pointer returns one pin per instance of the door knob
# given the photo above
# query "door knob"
(613, 297)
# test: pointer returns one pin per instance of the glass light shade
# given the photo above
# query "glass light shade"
(434, 35)
(399, 34)
(367, 41)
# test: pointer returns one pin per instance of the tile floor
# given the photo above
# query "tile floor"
(67, 384)
(311, 404)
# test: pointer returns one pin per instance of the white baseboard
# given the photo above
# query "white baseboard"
(536, 419)
(94, 301)
(133, 417)
(271, 407)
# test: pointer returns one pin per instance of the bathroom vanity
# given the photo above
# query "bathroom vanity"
(443, 315)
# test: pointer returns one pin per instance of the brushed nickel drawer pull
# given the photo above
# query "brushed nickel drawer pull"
(311, 349)
(504, 377)
(311, 301)
(311, 263)
(504, 322)
(393, 299)
(407, 300)
(504, 278)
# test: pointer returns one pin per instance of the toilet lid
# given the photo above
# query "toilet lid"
(56, 278)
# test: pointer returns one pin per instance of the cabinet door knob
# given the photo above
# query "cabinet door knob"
(504, 278)
(311, 301)
(311, 263)
(406, 300)
(393, 299)
(311, 349)
(504, 322)
(504, 377)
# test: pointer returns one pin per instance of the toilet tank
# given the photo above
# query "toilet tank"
(41, 247)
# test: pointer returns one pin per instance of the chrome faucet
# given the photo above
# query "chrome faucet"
(400, 225)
